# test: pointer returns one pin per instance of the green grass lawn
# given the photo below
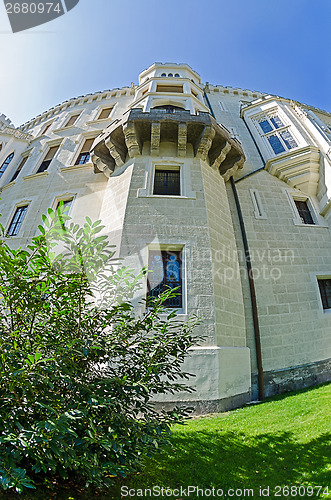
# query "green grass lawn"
(284, 441)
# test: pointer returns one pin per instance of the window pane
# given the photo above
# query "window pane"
(288, 139)
(6, 163)
(83, 158)
(21, 165)
(72, 120)
(167, 182)
(276, 121)
(105, 113)
(17, 221)
(265, 125)
(304, 212)
(166, 272)
(276, 145)
(325, 290)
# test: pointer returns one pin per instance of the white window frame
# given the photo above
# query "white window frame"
(80, 144)
(292, 196)
(11, 216)
(50, 145)
(267, 115)
(316, 277)
(185, 180)
(69, 118)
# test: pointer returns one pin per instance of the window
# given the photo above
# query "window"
(304, 212)
(325, 291)
(177, 75)
(84, 156)
(105, 113)
(165, 272)
(48, 159)
(170, 88)
(46, 128)
(277, 134)
(6, 163)
(72, 120)
(19, 168)
(66, 205)
(17, 220)
(167, 182)
(163, 74)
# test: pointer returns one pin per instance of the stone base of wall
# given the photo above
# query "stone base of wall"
(293, 379)
(211, 406)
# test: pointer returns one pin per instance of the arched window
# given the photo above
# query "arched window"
(170, 74)
(177, 75)
(163, 74)
(6, 163)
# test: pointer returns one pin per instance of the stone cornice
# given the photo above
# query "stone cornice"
(18, 134)
(299, 168)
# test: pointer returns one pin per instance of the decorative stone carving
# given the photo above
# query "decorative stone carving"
(182, 139)
(155, 138)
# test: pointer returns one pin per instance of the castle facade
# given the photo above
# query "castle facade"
(223, 193)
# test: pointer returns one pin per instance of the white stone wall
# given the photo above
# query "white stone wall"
(286, 255)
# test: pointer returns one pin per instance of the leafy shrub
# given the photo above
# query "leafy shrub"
(78, 368)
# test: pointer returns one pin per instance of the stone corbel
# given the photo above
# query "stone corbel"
(131, 140)
(182, 139)
(116, 151)
(221, 157)
(155, 138)
(205, 143)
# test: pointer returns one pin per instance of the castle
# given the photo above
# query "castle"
(222, 192)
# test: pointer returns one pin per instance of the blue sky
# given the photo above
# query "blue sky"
(277, 46)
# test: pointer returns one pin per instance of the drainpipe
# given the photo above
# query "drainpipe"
(252, 294)
(256, 325)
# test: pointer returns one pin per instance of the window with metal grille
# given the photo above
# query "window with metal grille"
(167, 182)
(304, 212)
(105, 113)
(166, 273)
(84, 156)
(325, 291)
(6, 163)
(72, 120)
(48, 159)
(19, 168)
(17, 221)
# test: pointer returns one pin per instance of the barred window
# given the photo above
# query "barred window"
(165, 272)
(325, 291)
(167, 182)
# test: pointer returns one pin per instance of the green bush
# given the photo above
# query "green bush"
(78, 368)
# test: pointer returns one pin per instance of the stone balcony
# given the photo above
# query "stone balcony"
(124, 139)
